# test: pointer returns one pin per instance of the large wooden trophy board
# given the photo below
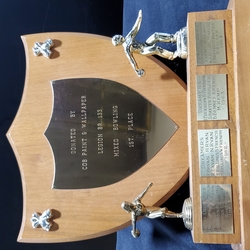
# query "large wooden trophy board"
(82, 211)
(220, 192)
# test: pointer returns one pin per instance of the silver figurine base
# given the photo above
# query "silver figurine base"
(187, 213)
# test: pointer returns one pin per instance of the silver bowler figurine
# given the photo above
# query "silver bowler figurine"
(148, 48)
(138, 209)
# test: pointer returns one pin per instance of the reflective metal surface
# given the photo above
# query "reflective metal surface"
(211, 97)
(216, 208)
(137, 209)
(102, 131)
(43, 48)
(214, 152)
(187, 211)
(210, 42)
(149, 47)
(42, 220)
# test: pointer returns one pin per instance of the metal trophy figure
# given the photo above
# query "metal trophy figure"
(138, 209)
(149, 47)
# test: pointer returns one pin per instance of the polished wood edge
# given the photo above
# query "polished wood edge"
(241, 37)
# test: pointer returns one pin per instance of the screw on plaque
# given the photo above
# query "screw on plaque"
(43, 48)
(38, 220)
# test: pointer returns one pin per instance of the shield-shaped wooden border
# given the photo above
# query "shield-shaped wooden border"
(89, 213)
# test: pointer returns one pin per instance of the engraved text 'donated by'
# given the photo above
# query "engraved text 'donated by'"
(102, 131)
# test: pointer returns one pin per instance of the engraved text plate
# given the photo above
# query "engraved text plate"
(101, 132)
(216, 208)
(214, 152)
(210, 42)
(211, 97)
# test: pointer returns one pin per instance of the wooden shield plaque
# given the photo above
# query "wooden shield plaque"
(139, 121)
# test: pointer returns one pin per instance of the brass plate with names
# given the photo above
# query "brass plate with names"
(210, 42)
(216, 208)
(211, 97)
(214, 152)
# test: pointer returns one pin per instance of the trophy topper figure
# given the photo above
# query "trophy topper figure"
(149, 48)
(137, 209)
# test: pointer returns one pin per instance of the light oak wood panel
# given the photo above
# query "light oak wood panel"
(88, 213)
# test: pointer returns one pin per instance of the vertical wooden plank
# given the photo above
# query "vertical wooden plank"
(194, 125)
(241, 37)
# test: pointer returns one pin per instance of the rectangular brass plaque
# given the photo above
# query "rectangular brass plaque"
(210, 42)
(214, 152)
(211, 97)
(216, 208)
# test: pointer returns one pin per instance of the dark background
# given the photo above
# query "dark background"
(107, 17)
(20, 17)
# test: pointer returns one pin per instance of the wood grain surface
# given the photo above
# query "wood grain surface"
(236, 112)
(241, 37)
(88, 213)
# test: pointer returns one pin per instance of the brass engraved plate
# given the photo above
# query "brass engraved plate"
(214, 152)
(211, 97)
(216, 208)
(210, 42)
(102, 131)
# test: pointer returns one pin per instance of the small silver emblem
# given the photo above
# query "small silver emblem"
(43, 48)
(42, 220)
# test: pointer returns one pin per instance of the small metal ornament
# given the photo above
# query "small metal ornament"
(43, 48)
(149, 47)
(138, 209)
(38, 220)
